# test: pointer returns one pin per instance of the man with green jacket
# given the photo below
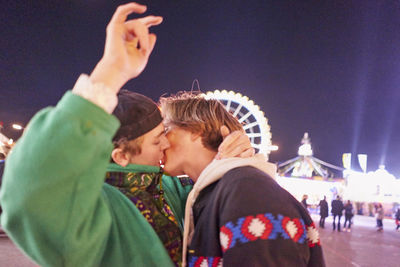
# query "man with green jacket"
(56, 206)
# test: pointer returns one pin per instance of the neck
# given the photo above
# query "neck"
(199, 162)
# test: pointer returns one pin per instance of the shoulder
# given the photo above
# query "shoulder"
(246, 174)
(254, 192)
(244, 180)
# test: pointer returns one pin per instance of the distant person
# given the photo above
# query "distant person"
(397, 218)
(337, 210)
(348, 215)
(304, 202)
(323, 212)
(380, 213)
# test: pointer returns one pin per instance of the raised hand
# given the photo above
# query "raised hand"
(235, 144)
(128, 47)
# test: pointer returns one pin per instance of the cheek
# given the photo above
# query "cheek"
(153, 155)
(173, 148)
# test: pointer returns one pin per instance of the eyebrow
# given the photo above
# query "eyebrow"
(161, 133)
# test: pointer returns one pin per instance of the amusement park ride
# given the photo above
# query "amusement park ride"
(249, 114)
(306, 165)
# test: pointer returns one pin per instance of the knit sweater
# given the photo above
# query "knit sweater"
(237, 215)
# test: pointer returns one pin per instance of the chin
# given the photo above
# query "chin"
(170, 171)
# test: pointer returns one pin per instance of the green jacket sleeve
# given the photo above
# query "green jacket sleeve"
(52, 183)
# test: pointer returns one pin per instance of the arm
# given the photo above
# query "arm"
(52, 182)
(51, 193)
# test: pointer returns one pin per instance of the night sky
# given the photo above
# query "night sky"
(330, 68)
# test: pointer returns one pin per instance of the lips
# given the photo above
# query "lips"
(162, 160)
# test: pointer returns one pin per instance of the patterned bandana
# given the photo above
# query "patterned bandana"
(144, 189)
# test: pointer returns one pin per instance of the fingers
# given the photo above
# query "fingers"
(248, 153)
(152, 42)
(229, 140)
(237, 151)
(123, 11)
(140, 29)
(236, 144)
(151, 20)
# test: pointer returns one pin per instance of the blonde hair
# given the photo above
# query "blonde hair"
(133, 147)
(192, 112)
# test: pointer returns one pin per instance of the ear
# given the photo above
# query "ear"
(120, 157)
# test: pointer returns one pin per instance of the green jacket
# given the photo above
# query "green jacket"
(56, 207)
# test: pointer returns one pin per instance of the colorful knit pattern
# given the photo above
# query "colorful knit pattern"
(267, 226)
(204, 261)
(185, 180)
(145, 192)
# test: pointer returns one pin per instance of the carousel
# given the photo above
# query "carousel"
(308, 175)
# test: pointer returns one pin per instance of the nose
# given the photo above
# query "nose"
(164, 143)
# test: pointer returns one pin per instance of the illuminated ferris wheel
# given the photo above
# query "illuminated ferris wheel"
(249, 114)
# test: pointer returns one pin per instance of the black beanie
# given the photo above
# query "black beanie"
(137, 114)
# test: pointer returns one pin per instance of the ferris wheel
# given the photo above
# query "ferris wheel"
(249, 114)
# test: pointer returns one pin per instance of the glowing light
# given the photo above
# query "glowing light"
(362, 159)
(305, 149)
(273, 147)
(346, 158)
(315, 189)
(10, 141)
(17, 127)
(377, 186)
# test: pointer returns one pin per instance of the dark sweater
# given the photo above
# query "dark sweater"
(337, 207)
(247, 219)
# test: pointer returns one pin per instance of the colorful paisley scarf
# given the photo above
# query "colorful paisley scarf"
(144, 189)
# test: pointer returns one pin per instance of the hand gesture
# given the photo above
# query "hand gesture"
(128, 47)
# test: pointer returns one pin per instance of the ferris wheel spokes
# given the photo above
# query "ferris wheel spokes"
(249, 115)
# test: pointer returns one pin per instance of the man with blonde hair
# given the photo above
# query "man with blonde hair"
(236, 214)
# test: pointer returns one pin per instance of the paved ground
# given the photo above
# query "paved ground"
(10, 256)
(364, 246)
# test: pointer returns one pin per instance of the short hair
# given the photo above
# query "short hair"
(133, 147)
(191, 111)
